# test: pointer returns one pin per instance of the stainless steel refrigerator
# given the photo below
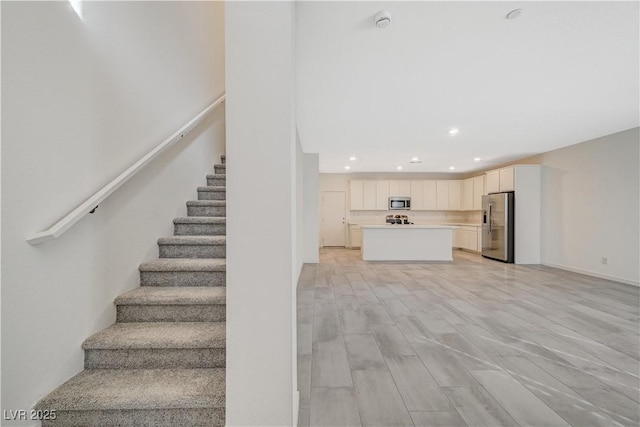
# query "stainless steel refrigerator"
(497, 226)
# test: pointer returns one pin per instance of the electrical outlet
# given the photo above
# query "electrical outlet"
(604, 260)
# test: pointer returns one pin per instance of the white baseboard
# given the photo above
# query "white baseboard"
(591, 273)
(296, 407)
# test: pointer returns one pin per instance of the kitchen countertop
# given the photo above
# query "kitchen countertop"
(458, 224)
(409, 226)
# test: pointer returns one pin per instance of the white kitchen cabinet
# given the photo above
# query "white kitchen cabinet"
(417, 195)
(478, 192)
(455, 195)
(356, 187)
(442, 195)
(448, 195)
(467, 194)
(430, 196)
(355, 236)
(423, 195)
(492, 183)
(369, 193)
(500, 180)
(382, 195)
(507, 179)
(466, 237)
(457, 238)
(400, 188)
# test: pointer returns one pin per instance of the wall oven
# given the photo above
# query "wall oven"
(399, 203)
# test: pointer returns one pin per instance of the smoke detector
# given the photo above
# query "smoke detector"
(382, 19)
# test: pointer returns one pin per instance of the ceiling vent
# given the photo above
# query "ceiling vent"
(382, 19)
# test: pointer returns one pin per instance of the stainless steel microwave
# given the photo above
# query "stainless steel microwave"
(399, 203)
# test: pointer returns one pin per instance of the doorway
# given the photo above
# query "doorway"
(333, 218)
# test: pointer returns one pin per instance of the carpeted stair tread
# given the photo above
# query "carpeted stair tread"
(206, 203)
(212, 188)
(193, 240)
(158, 335)
(184, 264)
(200, 219)
(174, 295)
(118, 389)
(217, 176)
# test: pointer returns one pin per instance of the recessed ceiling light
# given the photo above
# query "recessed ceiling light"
(477, 159)
(399, 168)
(453, 131)
(347, 167)
(415, 159)
(514, 13)
(353, 158)
(452, 168)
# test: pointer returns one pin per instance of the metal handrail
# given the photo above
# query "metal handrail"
(89, 205)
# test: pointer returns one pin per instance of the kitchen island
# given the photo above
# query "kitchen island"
(407, 242)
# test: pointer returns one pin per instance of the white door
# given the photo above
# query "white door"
(333, 218)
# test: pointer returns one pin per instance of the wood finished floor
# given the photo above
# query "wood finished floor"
(472, 342)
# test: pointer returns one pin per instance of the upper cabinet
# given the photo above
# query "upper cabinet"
(417, 195)
(400, 188)
(430, 195)
(448, 195)
(369, 193)
(426, 195)
(478, 192)
(467, 194)
(442, 195)
(455, 195)
(492, 183)
(506, 179)
(500, 180)
(356, 190)
(382, 195)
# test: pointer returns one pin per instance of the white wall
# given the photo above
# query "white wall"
(81, 101)
(590, 198)
(311, 208)
(261, 177)
(300, 189)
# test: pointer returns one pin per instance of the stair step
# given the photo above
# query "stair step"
(172, 304)
(217, 180)
(156, 345)
(193, 247)
(200, 226)
(211, 208)
(139, 397)
(220, 169)
(183, 272)
(212, 193)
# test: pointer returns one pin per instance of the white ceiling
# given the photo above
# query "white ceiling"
(560, 74)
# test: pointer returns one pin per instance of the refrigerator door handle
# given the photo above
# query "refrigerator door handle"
(490, 218)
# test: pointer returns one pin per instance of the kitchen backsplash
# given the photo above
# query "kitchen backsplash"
(417, 217)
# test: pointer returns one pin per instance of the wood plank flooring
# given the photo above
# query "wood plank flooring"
(473, 342)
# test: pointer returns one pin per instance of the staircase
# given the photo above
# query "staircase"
(162, 362)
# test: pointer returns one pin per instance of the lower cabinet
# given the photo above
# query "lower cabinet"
(355, 236)
(466, 237)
